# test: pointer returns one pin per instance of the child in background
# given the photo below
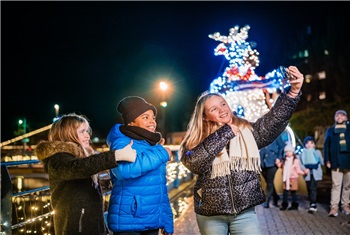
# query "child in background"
(311, 158)
(291, 168)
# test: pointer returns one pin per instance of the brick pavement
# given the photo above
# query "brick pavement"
(276, 222)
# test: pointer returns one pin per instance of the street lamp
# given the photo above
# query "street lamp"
(57, 108)
(163, 86)
(23, 122)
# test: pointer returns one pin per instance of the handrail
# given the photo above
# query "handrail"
(31, 191)
(31, 220)
(45, 128)
(16, 163)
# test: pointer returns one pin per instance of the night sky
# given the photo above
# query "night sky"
(86, 56)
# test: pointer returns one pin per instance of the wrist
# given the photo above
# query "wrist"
(293, 92)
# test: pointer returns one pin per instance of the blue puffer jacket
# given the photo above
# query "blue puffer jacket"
(139, 199)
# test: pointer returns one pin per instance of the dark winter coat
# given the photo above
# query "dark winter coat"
(271, 152)
(77, 203)
(331, 148)
(224, 195)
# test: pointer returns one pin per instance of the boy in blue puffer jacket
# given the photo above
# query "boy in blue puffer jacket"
(139, 202)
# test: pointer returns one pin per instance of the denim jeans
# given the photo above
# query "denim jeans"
(244, 223)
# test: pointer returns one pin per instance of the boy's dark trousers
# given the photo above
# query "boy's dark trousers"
(312, 189)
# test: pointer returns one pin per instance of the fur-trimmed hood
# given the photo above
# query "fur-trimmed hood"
(46, 149)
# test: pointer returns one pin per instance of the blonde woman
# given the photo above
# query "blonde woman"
(222, 149)
(72, 167)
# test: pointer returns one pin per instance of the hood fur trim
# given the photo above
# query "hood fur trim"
(46, 149)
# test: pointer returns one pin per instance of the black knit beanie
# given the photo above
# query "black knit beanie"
(131, 107)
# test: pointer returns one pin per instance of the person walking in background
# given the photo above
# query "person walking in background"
(139, 202)
(72, 167)
(311, 158)
(268, 156)
(337, 158)
(291, 169)
(222, 150)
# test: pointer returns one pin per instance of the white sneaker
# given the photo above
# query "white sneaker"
(346, 210)
(312, 209)
(333, 213)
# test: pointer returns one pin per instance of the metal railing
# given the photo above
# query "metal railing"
(14, 202)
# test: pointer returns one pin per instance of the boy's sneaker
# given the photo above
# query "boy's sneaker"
(333, 213)
(346, 210)
(312, 208)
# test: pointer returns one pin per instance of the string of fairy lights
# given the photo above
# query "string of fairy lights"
(32, 212)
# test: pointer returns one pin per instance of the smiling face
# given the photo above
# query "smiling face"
(217, 110)
(84, 132)
(147, 121)
(340, 118)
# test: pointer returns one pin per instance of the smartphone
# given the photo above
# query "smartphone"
(285, 74)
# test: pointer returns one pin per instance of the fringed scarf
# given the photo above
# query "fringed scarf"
(287, 168)
(243, 155)
(341, 129)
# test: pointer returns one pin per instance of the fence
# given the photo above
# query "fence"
(29, 211)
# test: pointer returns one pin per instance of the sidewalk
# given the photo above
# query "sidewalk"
(276, 222)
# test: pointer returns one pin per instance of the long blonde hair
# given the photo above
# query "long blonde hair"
(198, 129)
(65, 129)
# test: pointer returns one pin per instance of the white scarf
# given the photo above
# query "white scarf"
(287, 168)
(243, 155)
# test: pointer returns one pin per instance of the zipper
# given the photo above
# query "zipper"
(81, 220)
(229, 184)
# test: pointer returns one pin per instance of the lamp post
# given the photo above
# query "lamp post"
(23, 122)
(163, 86)
(57, 108)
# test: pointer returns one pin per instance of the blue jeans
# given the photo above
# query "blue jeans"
(244, 223)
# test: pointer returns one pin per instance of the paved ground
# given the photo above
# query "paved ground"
(276, 222)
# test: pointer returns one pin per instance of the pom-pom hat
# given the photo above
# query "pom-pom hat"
(289, 147)
(131, 107)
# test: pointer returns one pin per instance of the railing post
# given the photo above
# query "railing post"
(6, 201)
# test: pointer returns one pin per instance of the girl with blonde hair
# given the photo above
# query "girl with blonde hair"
(72, 167)
(223, 150)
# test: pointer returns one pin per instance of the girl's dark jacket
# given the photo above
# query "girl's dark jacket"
(77, 203)
(229, 195)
